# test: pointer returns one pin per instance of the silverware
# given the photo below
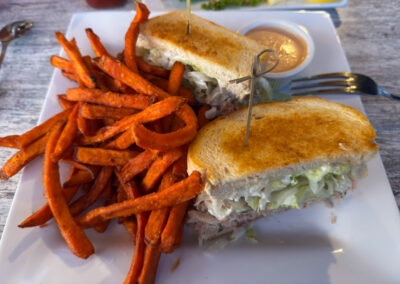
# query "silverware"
(10, 32)
(334, 83)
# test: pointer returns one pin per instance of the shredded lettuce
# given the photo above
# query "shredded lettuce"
(318, 183)
(207, 90)
(266, 92)
(254, 202)
(289, 191)
(251, 235)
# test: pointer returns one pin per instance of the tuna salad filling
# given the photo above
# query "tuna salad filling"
(206, 90)
(290, 191)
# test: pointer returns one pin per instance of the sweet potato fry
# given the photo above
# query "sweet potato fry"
(201, 115)
(150, 265)
(76, 164)
(67, 135)
(94, 71)
(74, 44)
(109, 121)
(175, 194)
(73, 77)
(126, 191)
(102, 227)
(121, 55)
(179, 236)
(121, 72)
(131, 226)
(62, 63)
(158, 218)
(163, 84)
(124, 141)
(187, 94)
(88, 127)
(175, 78)
(83, 125)
(78, 79)
(71, 232)
(142, 14)
(121, 195)
(10, 142)
(131, 192)
(179, 169)
(146, 138)
(137, 165)
(95, 42)
(22, 158)
(138, 255)
(79, 177)
(42, 129)
(157, 169)
(171, 230)
(155, 70)
(91, 111)
(93, 194)
(151, 113)
(109, 98)
(172, 235)
(129, 188)
(75, 56)
(64, 103)
(114, 86)
(109, 191)
(43, 215)
(123, 88)
(103, 157)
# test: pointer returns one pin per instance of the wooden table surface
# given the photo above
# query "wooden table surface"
(369, 31)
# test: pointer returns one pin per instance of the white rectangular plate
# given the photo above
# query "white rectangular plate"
(299, 246)
(163, 5)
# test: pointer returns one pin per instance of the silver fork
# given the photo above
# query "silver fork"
(338, 83)
(11, 32)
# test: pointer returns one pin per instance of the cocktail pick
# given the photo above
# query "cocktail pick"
(188, 8)
(258, 69)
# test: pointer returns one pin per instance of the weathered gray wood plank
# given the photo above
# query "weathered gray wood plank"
(369, 31)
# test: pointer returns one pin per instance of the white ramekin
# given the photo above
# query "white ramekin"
(289, 27)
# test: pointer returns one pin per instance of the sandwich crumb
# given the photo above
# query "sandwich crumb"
(343, 146)
(176, 264)
(333, 218)
(44, 225)
(328, 203)
(251, 235)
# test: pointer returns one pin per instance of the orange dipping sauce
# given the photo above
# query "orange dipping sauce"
(291, 49)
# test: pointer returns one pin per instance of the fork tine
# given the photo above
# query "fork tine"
(313, 84)
(347, 90)
(329, 83)
(325, 76)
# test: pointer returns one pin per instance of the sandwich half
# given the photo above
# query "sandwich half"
(301, 151)
(213, 56)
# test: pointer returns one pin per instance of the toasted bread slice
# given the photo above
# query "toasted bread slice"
(216, 51)
(284, 138)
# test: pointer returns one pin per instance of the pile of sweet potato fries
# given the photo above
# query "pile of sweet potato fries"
(124, 131)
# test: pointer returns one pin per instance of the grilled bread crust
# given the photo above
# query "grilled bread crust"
(285, 138)
(216, 51)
